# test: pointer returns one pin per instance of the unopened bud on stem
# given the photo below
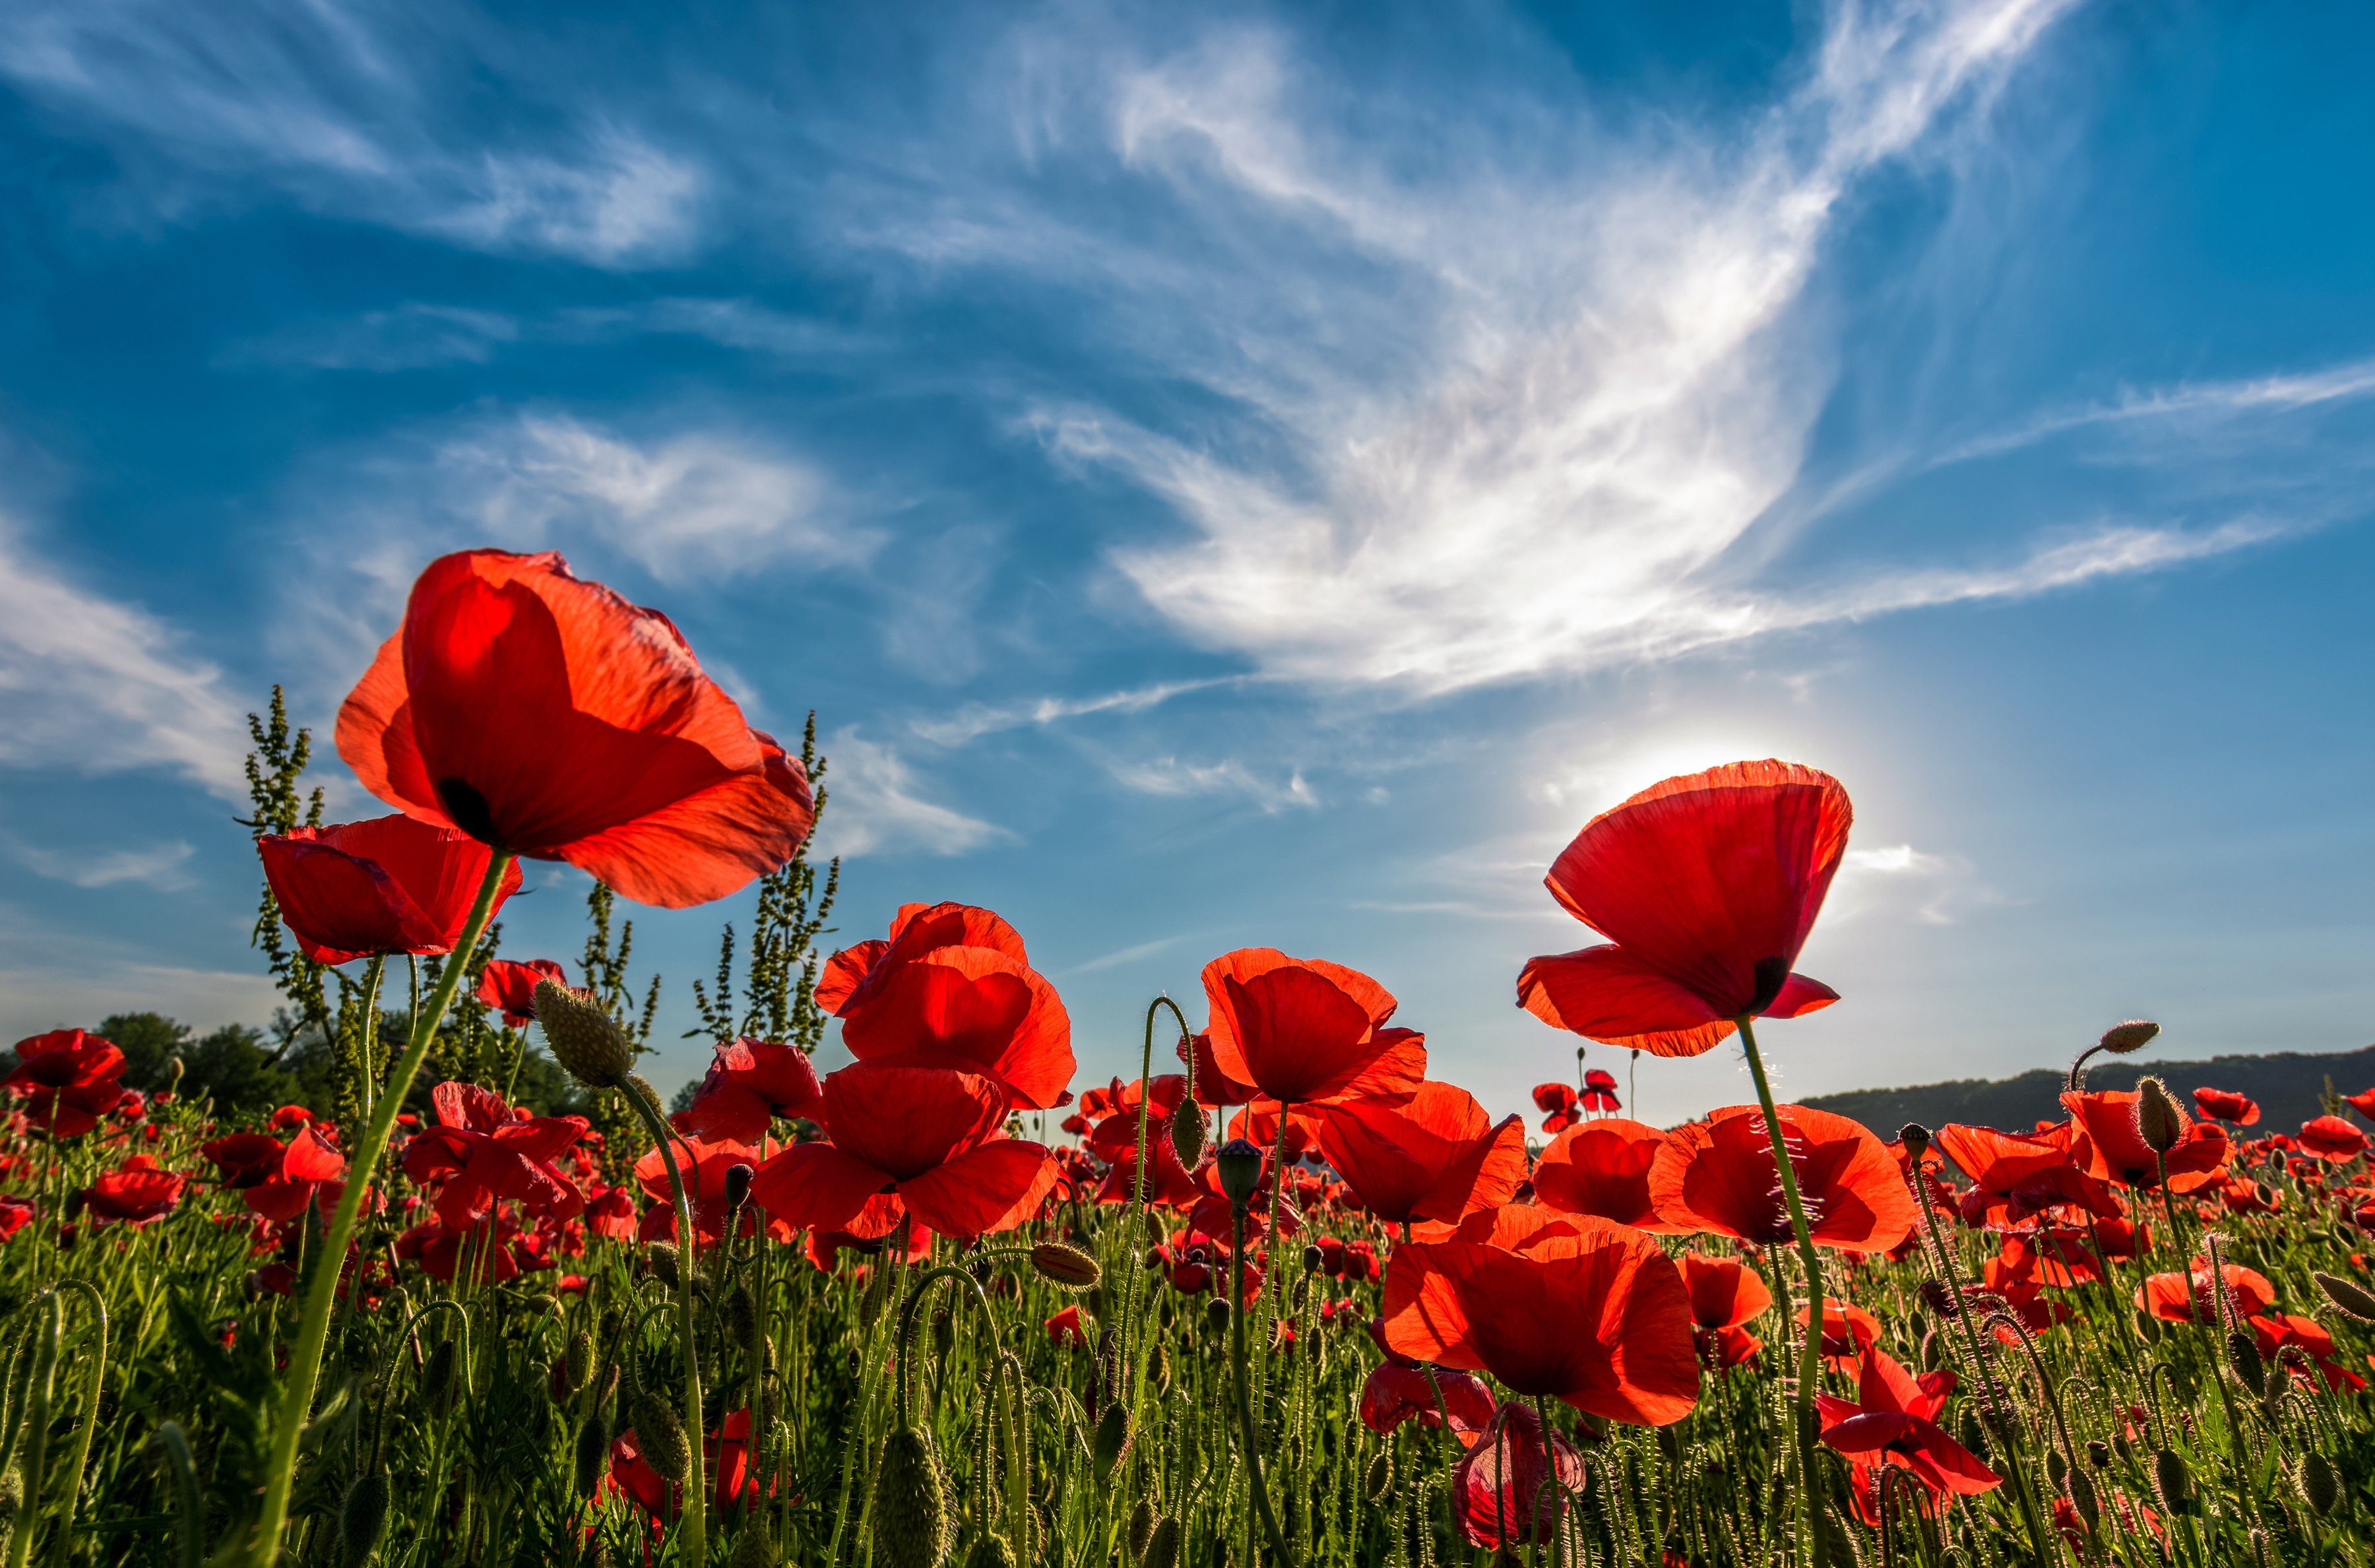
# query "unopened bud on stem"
(2159, 1121)
(582, 1036)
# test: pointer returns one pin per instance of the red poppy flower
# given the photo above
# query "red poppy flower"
(244, 1160)
(480, 1152)
(2192, 1298)
(389, 885)
(440, 1250)
(2363, 1102)
(1724, 1292)
(1439, 1157)
(1718, 1175)
(511, 987)
(1559, 1103)
(925, 1142)
(971, 1008)
(548, 716)
(289, 1116)
(1304, 1030)
(2332, 1139)
(2015, 1179)
(1706, 887)
(1847, 1331)
(1397, 1390)
(749, 1084)
(1214, 1087)
(1581, 1309)
(16, 1213)
(851, 977)
(2061, 1258)
(610, 1214)
(725, 1461)
(1065, 1329)
(311, 1169)
(1115, 1141)
(1602, 1167)
(2278, 1331)
(1600, 1092)
(68, 1078)
(2109, 1145)
(1500, 1487)
(2227, 1106)
(703, 1166)
(1893, 1421)
(136, 1193)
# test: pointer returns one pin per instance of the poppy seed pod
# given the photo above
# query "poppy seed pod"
(1187, 1131)
(2348, 1297)
(2315, 1479)
(2133, 1035)
(2159, 1121)
(2171, 1482)
(1240, 1164)
(1065, 1266)
(910, 1502)
(1915, 1140)
(582, 1036)
(363, 1518)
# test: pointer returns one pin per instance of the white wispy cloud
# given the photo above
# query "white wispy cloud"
(1121, 956)
(1171, 776)
(422, 335)
(972, 722)
(878, 806)
(92, 683)
(2182, 403)
(350, 111)
(159, 865)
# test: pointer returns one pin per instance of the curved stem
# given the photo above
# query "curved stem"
(916, 1294)
(46, 1348)
(1245, 1391)
(692, 1525)
(64, 1542)
(320, 1292)
(1809, 1359)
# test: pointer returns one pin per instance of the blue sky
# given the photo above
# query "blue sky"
(1260, 476)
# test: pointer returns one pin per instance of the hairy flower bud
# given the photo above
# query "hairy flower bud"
(659, 1433)
(438, 1379)
(1380, 1477)
(1142, 1527)
(2315, 1479)
(2084, 1498)
(1240, 1169)
(991, 1550)
(2098, 1454)
(1065, 1266)
(910, 1502)
(592, 1447)
(756, 1547)
(363, 1518)
(582, 1036)
(661, 1260)
(2159, 1121)
(738, 1185)
(2171, 1482)
(2133, 1035)
(2348, 1296)
(1187, 1131)
(1216, 1314)
(1162, 1545)
(2250, 1370)
(1115, 1431)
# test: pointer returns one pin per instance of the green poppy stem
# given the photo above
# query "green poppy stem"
(1812, 1522)
(1247, 1427)
(321, 1291)
(692, 1525)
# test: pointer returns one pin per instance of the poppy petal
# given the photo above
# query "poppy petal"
(994, 1187)
(1607, 994)
(815, 1185)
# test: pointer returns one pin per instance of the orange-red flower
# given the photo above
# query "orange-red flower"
(2278, 1331)
(749, 1084)
(1726, 1296)
(1718, 1175)
(1706, 886)
(67, 1078)
(511, 987)
(2193, 1297)
(1501, 1487)
(548, 716)
(1065, 1329)
(1560, 1105)
(1893, 1422)
(2109, 1145)
(2015, 1179)
(704, 1166)
(480, 1152)
(1398, 1389)
(951, 989)
(136, 1193)
(1602, 1167)
(1115, 1141)
(1438, 1157)
(1304, 1030)
(2226, 1106)
(925, 1141)
(388, 885)
(2332, 1139)
(1600, 1092)
(1590, 1313)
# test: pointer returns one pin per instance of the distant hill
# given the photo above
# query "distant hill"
(2288, 1086)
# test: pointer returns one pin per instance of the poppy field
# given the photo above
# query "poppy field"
(1282, 1298)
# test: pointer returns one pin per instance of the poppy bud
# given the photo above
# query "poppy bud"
(1240, 1169)
(582, 1036)
(1162, 1546)
(2098, 1454)
(738, 1187)
(2147, 1326)
(2319, 1487)
(2250, 1370)
(593, 1446)
(1066, 1267)
(1937, 1298)
(1934, 1352)
(660, 1433)
(2171, 1482)
(1187, 1131)
(1380, 1478)
(2057, 1466)
(1915, 1140)
(660, 1259)
(1115, 1433)
(991, 1550)
(1142, 1527)
(2348, 1297)
(2159, 1121)
(2082, 1498)
(363, 1518)
(739, 1313)
(756, 1547)
(437, 1381)
(910, 1502)
(1972, 1433)
(2133, 1035)
(1312, 1259)
(175, 1069)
